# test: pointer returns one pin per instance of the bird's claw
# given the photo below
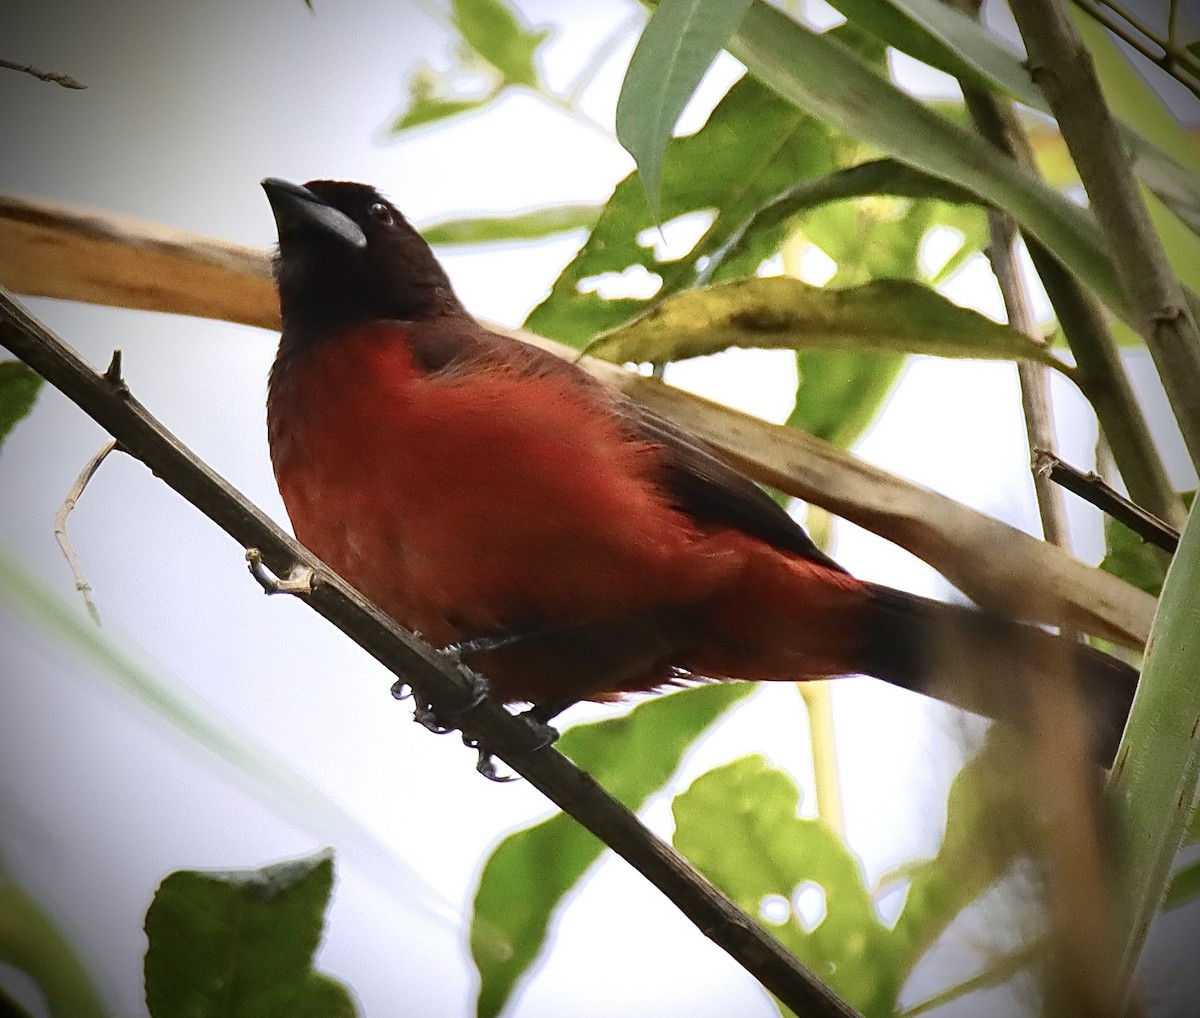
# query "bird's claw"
(544, 735)
(443, 721)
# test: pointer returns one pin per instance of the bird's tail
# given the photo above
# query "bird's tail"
(994, 666)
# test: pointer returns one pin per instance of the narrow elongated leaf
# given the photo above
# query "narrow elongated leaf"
(1153, 783)
(532, 225)
(679, 43)
(528, 874)
(943, 37)
(829, 81)
(886, 314)
(31, 942)
(19, 387)
(240, 945)
(880, 176)
(493, 31)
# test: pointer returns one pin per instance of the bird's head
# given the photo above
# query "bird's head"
(346, 255)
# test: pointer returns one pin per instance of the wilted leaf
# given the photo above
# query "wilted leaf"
(240, 945)
(884, 315)
(677, 46)
(19, 387)
(529, 872)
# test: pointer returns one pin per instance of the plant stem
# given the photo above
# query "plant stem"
(1063, 69)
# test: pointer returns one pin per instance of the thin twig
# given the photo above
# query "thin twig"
(1176, 62)
(53, 76)
(1035, 384)
(1091, 487)
(60, 525)
(442, 683)
(1063, 68)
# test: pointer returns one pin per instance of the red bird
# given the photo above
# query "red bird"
(480, 490)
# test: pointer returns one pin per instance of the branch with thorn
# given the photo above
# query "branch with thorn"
(437, 678)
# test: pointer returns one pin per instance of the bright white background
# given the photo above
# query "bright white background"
(188, 106)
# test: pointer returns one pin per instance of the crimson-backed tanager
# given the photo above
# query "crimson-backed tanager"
(479, 489)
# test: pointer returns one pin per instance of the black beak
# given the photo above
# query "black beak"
(296, 207)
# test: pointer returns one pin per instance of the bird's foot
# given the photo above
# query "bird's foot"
(442, 721)
(543, 735)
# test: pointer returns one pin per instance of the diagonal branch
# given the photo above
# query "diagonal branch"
(438, 681)
(78, 254)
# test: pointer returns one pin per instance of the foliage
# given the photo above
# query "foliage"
(19, 388)
(240, 945)
(815, 150)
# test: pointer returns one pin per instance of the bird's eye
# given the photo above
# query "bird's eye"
(381, 214)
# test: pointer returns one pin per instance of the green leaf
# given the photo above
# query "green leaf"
(1153, 782)
(753, 146)
(841, 391)
(827, 80)
(677, 46)
(430, 109)
(737, 824)
(19, 387)
(988, 827)
(884, 315)
(532, 225)
(530, 872)
(240, 945)
(1184, 887)
(935, 33)
(1132, 559)
(492, 30)
(32, 943)
(878, 177)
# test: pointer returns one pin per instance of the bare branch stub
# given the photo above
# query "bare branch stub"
(60, 525)
(57, 77)
(1092, 488)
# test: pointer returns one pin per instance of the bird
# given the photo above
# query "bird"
(495, 498)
